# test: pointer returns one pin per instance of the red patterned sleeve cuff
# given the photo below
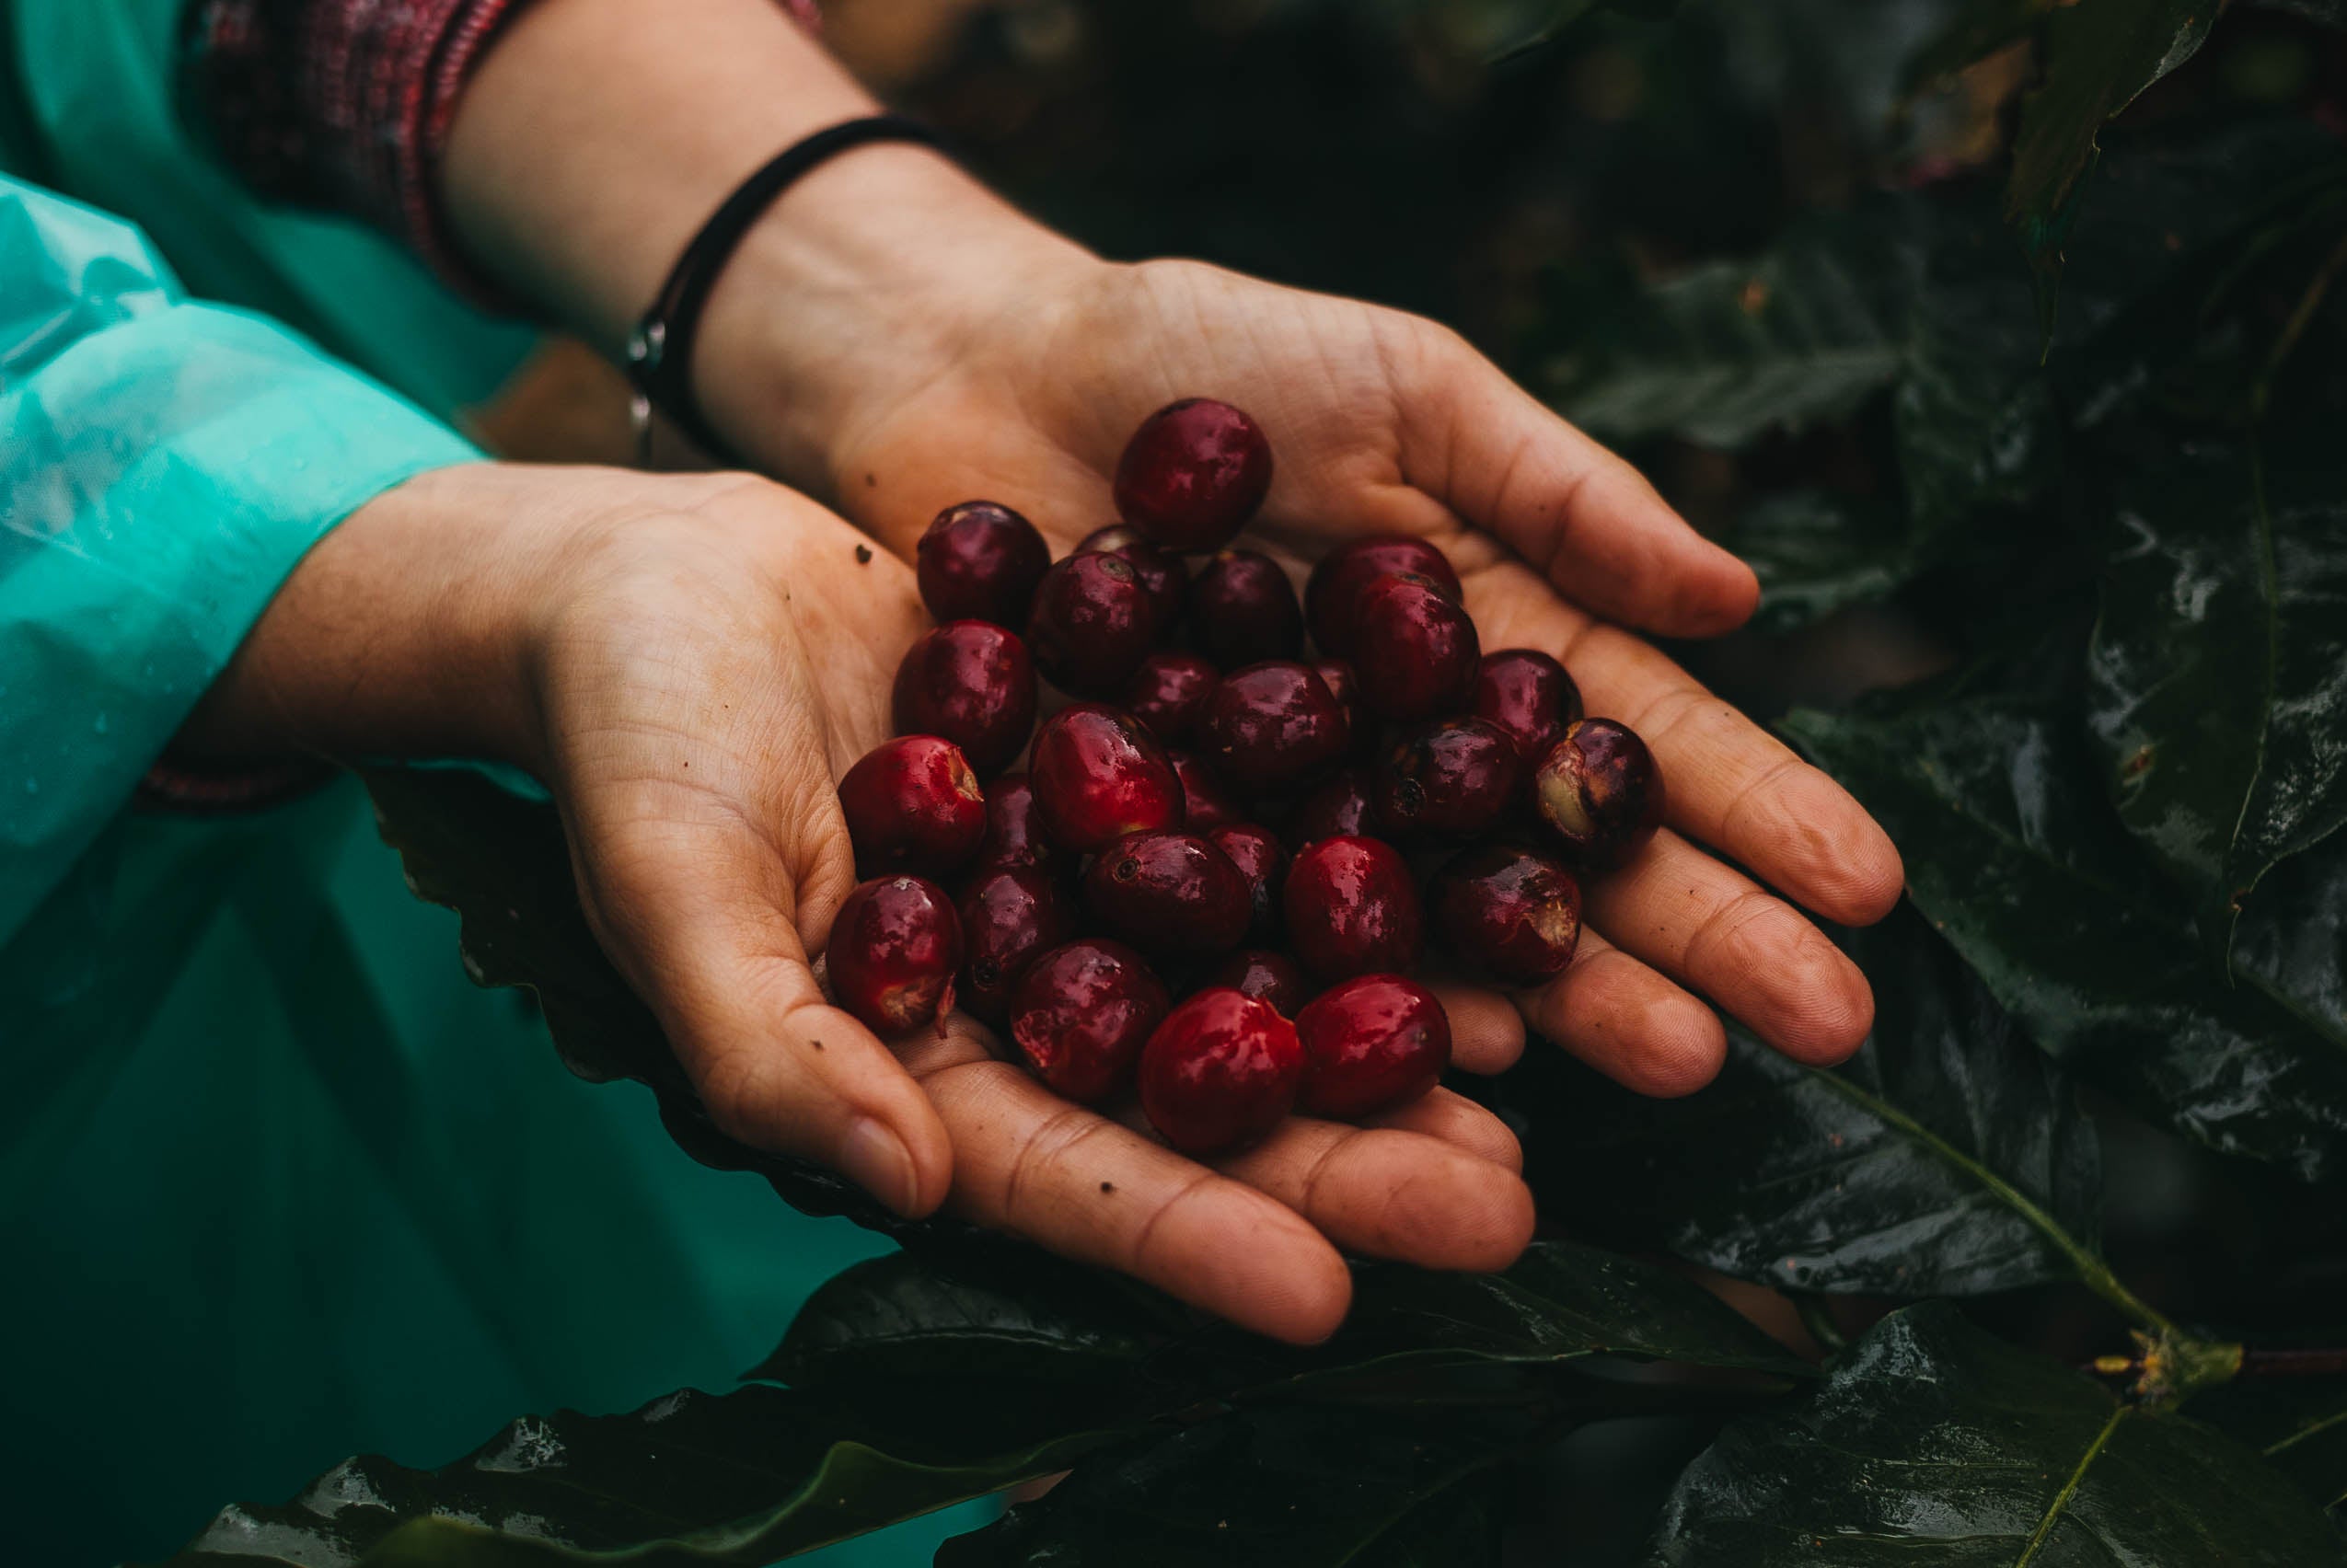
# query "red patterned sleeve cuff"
(347, 104)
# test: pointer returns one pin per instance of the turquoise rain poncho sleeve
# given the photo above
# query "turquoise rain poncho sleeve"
(277, 1183)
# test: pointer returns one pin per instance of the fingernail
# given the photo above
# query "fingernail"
(877, 1161)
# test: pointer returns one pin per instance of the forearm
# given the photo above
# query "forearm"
(597, 135)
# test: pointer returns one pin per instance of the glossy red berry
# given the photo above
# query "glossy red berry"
(972, 683)
(1341, 808)
(1014, 834)
(1169, 691)
(1169, 893)
(1369, 1044)
(1080, 1015)
(1220, 1073)
(1243, 610)
(1161, 572)
(1092, 624)
(912, 804)
(1194, 475)
(1415, 651)
(1352, 910)
(1205, 802)
(1272, 727)
(1333, 595)
(1511, 913)
(1097, 776)
(1010, 917)
(1528, 695)
(1345, 687)
(1266, 975)
(1452, 778)
(1262, 861)
(895, 946)
(980, 562)
(1600, 788)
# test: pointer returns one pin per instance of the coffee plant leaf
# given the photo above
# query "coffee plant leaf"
(1282, 1487)
(690, 1481)
(1936, 1443)
(2014, 855)
(1948, 1157)
(2099, 55)
(498, 858)
(2299, 1424)
(2218, 675)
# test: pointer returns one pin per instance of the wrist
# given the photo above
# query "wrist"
(874, 278)
(406, 631)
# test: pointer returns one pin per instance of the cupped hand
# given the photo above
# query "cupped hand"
(690, 664)
(1387, 423)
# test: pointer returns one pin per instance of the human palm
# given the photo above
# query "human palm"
(722, 652)
(1385, 423)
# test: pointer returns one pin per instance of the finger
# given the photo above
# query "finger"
(1729, 783)
(699, 911)
(1487, 1032)
(1459, 1122)
(1636, 1027)
(1705, 924)
(1390, 1193)
(1583, 518)
(1067, 1178)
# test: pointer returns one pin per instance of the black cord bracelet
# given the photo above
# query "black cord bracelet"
(660, 350)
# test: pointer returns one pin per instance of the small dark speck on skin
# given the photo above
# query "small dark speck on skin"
(863, 555)
(873, 480)
(1108, 1186)
(816, 1044)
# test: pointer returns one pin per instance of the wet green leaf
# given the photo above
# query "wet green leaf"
(2014, 855)
(1936, 1442)
(1285, 1488)
(1816, 552)
(690, 1481)
(2099, 55)
(2218, 676)
(1948, 1157)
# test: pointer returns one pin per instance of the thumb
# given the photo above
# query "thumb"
(702, 913)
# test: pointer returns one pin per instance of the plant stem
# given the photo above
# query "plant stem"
(2296, 327)
(2294, 1363)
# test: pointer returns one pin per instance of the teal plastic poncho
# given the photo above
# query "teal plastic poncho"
(277, 1185)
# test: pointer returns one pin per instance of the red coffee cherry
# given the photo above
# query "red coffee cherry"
(1271, 727)
(895, 946)
(1169, 694)
(1262, 861)
(1528, 695)
(1205, 802)
(1010, 917)
(1369, 1044)
(1331, 596)
(1160, 572)
(1452, 778)
(1511, 913)
(1243, 610)
(1194, 475)
(912, 804)
(1352, 910)
(1345, 687)
(1080, 1015)
(1220, 1073)
(1092, 624)
(980, 562)
(1266, 975)
(1098, 775)
(1341, 808)
(972, 683)
(1415, 650)
(1169, 893)
(1014, 834)
(1600, 788)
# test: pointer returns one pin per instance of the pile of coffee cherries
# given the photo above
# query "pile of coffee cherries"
(1416, 781)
